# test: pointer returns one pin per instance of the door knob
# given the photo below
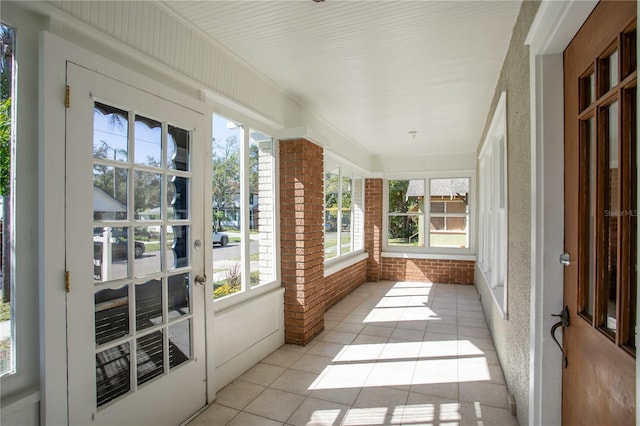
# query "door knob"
(200, 279)
(565, 259)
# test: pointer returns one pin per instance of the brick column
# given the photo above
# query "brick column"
(373, 228)
(302, 239)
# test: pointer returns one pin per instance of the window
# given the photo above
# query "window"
(344, 212)
(242, 208)
(7, 348)
(492, 249)
(447, 213)
(406, 213)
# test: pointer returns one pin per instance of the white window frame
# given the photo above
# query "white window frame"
(493, 208)
(356, 230)
(427, 252)
(247, 292)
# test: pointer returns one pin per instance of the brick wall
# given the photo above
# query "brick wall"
(343, 282)
(373, 228)
(302, 239)
(430, 270)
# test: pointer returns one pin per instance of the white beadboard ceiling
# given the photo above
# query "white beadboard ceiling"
(374, 70)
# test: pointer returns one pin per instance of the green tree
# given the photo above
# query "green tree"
(254, 168)
(226, 177)
(6, 81)
(6, 65)
(5, 146)
(6, 61)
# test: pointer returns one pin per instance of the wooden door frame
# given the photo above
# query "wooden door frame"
(553, 28)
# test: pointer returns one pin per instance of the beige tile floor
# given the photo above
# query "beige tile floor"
(392, 353)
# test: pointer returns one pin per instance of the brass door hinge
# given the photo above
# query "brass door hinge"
(67, 96)
(67, 285)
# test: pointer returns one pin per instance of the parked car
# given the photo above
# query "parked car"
(119, 247)
(220, 238)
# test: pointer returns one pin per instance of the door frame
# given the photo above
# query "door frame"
(54, 54)
(554, 26)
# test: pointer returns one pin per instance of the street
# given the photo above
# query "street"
(224, 259)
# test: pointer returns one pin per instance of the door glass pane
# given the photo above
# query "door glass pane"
(110, 133)
(110, 192)
(611, 219)
(613, 69)
(177, 197)
(179, 295)
(632, 272)
(150, 356)
(587, 91)
(592, 146)
(147, 259)
(179, 343)
(146, 194)
(110, 253)
(148, 142)
(148, 304)
(111, 314)
(178, 153)
(112, 373)
(177, 246)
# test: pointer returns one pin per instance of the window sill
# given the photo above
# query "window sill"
(233, 300)
(436, 256)
(497, 294)
(334, 265)
(11, 403)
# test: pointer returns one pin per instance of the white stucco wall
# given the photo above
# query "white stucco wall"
(511, 335)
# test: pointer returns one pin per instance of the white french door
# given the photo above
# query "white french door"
(134, 253)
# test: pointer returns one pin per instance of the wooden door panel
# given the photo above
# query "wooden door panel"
(599, 381)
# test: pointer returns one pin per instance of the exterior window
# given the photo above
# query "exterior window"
(406, 213)
(344, 212)
(7, 347)
(449, 213)
(446, 214)
(242, 208)
(492, 194)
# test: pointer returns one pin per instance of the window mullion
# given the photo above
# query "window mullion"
(339, 215)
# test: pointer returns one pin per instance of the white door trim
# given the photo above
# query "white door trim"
(54, 53)
(553, 28)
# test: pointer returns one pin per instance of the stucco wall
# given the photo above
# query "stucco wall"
(511, 335)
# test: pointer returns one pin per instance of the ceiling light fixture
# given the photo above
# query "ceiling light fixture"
(413, 134)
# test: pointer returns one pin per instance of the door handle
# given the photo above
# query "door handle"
(200, 279)
(564, 322)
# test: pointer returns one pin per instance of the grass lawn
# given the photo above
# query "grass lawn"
(5, 311)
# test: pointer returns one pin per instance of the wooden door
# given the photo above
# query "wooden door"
(600, 283)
